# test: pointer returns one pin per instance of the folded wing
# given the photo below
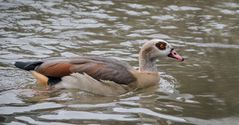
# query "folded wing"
(98, 68)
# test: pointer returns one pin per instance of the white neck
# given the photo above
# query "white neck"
(146, 63)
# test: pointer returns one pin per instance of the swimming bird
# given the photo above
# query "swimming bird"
(101, 75)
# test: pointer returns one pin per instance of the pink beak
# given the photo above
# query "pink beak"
(174, 54)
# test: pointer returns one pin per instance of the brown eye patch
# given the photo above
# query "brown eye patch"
(161, 45)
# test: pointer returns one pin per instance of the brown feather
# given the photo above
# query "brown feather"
(104, 69)
(97, 67)
(55, 69)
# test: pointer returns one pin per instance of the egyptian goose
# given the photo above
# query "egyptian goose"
(100, 75)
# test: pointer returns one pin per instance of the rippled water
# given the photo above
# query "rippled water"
(201, 90)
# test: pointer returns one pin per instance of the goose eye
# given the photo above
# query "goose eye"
(161, 45)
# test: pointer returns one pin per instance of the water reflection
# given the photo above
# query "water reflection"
(202, 90)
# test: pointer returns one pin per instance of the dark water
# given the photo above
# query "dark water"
(202, 90)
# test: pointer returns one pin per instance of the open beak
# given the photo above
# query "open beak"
(174, 54)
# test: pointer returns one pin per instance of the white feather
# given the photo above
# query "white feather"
(86, 83)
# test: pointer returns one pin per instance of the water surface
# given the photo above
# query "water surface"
(201, 90)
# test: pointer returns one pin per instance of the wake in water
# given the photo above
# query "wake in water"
(167, 83)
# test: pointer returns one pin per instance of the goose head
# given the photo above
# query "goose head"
(154, 49)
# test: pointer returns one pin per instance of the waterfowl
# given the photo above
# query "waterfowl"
(101, 75)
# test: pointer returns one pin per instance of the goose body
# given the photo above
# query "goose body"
(101, 75)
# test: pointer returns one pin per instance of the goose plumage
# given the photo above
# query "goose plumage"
(101, 75)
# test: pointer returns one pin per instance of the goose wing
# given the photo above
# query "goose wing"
(96, 67)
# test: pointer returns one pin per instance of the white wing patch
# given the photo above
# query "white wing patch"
(86, 83)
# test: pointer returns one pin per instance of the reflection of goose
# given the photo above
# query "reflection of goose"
(99, 75)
